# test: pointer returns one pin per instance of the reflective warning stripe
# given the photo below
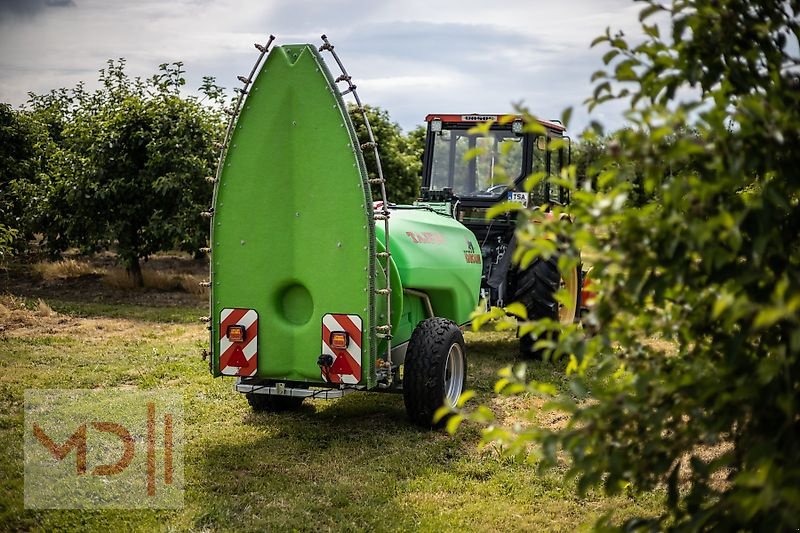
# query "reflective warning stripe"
(346, 367)
(230, 360)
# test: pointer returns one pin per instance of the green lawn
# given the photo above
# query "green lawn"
(351, 464)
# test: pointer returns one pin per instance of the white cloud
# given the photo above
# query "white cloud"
(411, 57)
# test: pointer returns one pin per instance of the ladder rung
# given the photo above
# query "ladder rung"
(207, 214)
(376, 181)
(205, 283)
(211, 179)
(369, 145)
(205, 319)
(243, 79)
(383, 328)
(380, 254)
(381, 217)
(383, 291)
(384, 336)
(205, 250)
(343, 78)
(349, 90)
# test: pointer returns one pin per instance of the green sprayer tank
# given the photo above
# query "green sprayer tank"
(298, 257)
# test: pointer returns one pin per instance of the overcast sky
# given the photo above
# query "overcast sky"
(411, 57)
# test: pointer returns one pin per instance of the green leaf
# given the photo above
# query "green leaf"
(598, 40)
(466, 396)
(501, 384)
(472, 153)
(453, 423)
(441, 413)
(566, 115)
(532, 181)
(608, 56)
(768, 317)
(517, 309)
(503, 208)
(649, 10)
(721, 304)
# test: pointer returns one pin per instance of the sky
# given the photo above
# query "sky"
(410, 57)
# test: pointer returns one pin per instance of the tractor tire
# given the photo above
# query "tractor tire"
(273, 404)
(435, 370)
(535, 288)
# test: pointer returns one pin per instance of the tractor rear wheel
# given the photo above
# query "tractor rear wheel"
(435, 369)
(273, 404)
(536, 288)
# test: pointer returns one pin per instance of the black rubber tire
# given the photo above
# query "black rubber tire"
(273, 404)
(535, 288)
(424, 372)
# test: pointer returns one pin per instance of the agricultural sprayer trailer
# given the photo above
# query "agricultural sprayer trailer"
(317, 288)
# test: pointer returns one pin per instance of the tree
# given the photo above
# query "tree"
(401, 156)
(131, 166)
(22, 154)
(693, 375)
(589, 152)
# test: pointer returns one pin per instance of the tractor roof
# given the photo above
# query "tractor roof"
(483, 117)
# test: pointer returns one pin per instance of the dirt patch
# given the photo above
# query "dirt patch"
(525, 409)
(100, 279)
(20, 321)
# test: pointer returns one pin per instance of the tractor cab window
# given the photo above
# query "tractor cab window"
(476, 164)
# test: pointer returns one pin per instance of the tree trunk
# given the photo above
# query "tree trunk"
(134, 270)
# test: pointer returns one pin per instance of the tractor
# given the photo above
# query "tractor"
(318, 289)
(494, 170)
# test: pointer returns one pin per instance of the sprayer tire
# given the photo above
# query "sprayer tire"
(435, 369)
(273, 404)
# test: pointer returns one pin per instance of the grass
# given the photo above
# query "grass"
(180, 315)
(348, 464)
(65, 269)
(82, 309)
(156, 279)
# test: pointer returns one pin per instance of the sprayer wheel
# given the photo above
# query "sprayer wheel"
(273, 404)
(435, 369)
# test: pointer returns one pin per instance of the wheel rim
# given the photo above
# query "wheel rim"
(567, 313)
(453, 374)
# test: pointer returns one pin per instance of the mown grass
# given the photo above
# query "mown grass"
(166, 314)
(348, 464)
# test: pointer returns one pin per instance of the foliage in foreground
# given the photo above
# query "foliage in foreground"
(692, 379)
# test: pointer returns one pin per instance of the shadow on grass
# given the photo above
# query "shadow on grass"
(341, 464)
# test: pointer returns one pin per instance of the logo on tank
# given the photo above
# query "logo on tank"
(469, 253)
(426, 237)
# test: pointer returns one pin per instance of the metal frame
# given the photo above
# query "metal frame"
(383, 331)
(279, 389)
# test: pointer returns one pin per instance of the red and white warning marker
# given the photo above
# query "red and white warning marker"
(346, 367)
(238, 358)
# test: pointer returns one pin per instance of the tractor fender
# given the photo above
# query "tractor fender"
(588, 294)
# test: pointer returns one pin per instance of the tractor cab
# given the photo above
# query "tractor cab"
(469, 169)
(481, 168)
